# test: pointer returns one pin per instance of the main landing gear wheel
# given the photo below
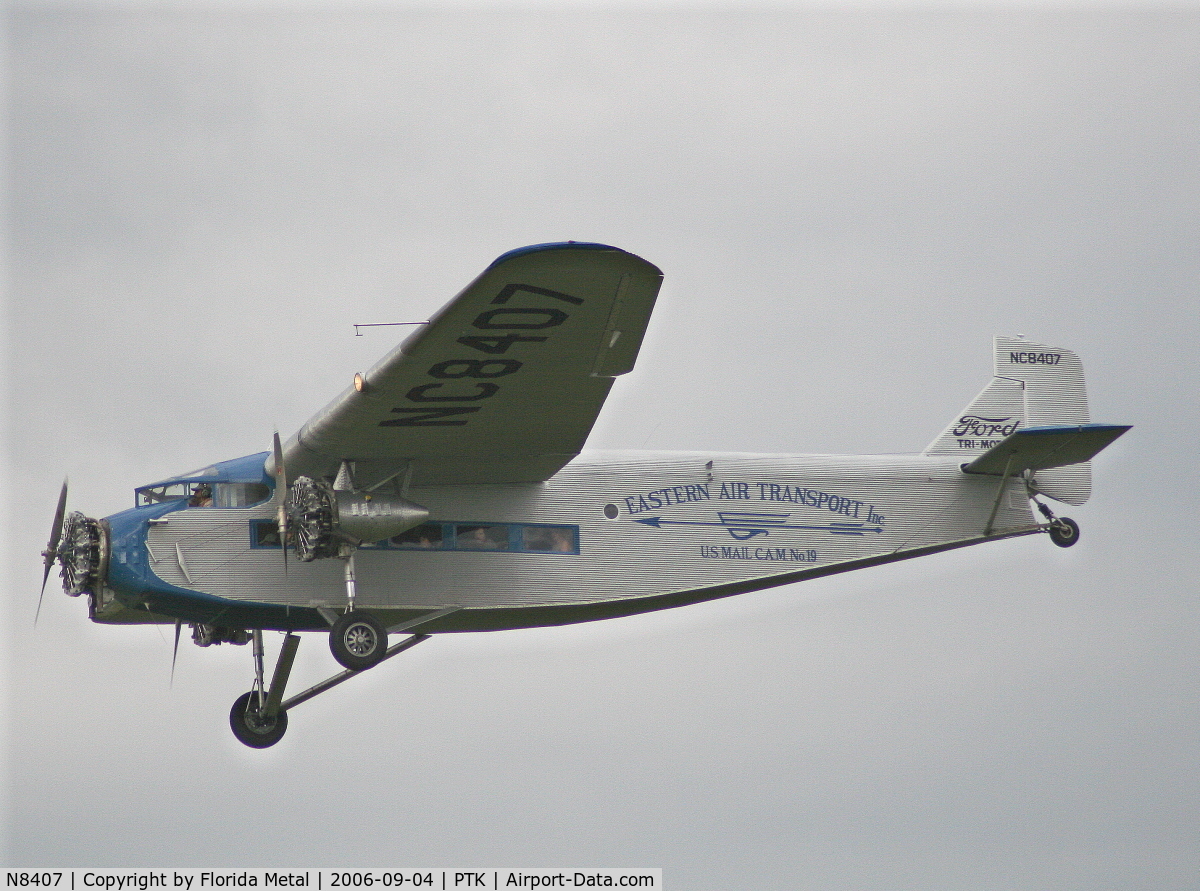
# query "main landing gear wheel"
(251, 727)
(358, 641)
(1064, 532)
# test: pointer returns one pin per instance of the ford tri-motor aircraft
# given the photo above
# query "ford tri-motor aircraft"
(444, 491)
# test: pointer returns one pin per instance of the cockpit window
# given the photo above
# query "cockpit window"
(167, 492)
(240, 494)
(202, 494)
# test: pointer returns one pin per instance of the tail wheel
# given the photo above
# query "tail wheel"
(81, 552)
(251, 727)
(1064, 532)
(358, 641)
(311, 513)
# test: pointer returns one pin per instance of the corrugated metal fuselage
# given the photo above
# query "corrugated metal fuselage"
(642, 531)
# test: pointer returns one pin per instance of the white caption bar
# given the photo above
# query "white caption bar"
(439, 879)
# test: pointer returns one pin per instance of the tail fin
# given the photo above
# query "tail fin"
(1033, 386)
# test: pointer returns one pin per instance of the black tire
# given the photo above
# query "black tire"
(1064, 532)
(358, 641)
(250, 728)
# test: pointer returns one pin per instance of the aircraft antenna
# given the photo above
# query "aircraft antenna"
(358, 333)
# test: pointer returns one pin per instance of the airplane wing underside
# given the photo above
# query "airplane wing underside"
(1042, 448)
(503, 384)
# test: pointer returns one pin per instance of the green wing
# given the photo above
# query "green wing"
(503, 384)
(1041, 448)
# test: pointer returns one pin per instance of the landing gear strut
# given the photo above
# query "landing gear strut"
(357, 639)
(259, 718)
(1064, 531)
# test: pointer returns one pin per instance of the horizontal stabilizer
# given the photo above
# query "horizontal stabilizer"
(1040, 448)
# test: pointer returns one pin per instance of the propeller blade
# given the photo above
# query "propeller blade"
(52, 548)
(175, 652)
(281, 493)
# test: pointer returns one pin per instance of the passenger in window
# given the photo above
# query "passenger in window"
(268, 534)
(537, 538)
(480, 538)
(562, 541)
(427, 535)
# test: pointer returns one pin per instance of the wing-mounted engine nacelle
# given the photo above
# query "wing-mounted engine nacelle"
(326, 519)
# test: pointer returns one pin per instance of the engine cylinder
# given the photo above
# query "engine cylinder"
(83, 555)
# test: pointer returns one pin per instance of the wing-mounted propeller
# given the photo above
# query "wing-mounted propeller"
(78, 544)
(281, 500)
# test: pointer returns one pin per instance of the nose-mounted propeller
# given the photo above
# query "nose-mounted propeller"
(51, 552)
(77, 543)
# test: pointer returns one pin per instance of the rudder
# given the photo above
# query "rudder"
(1033, 385)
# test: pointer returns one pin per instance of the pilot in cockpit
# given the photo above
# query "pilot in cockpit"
(202, 497)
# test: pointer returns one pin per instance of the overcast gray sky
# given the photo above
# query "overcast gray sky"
(847, 205)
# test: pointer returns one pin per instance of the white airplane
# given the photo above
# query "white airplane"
(445, 491)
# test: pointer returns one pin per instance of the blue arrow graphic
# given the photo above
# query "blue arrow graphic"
(743, 526)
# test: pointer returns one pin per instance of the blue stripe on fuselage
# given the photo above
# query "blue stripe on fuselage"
(137, 587)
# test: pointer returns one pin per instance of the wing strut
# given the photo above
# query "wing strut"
(275, 696)
(394, 650)
(987, 530)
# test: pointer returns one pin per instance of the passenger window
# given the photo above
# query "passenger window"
(427, 536)
(264, 534)
(510, 537)
(482, 538)
(555, 539)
